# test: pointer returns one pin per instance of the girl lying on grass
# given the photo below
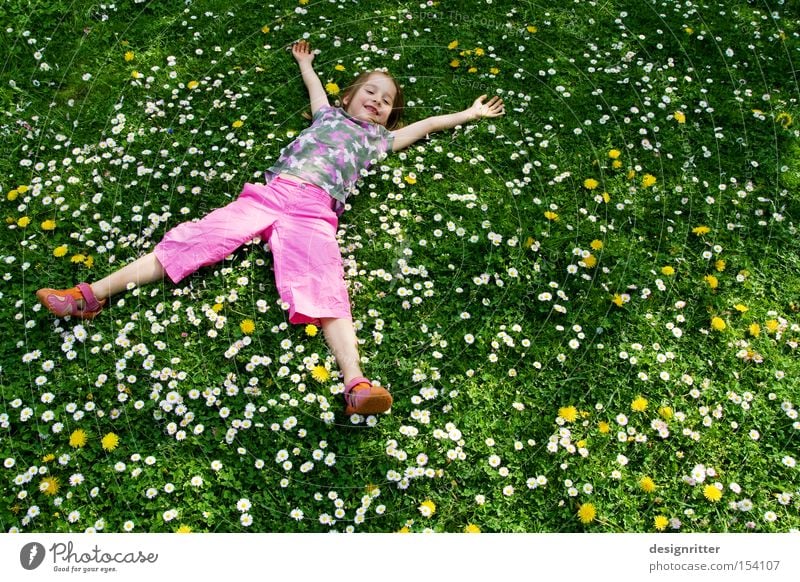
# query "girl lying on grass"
(296, 210)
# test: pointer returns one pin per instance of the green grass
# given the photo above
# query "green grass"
(487, 319)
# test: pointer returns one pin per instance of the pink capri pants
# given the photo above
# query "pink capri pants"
(300, 225)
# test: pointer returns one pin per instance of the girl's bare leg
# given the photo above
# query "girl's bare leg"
(146, 269)
(364, 397)
(341, 337)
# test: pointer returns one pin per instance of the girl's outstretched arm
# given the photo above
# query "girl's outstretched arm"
(405, 136)
(302, 53)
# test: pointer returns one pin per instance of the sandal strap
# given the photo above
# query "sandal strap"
(349, 395)
(355, 382)
(92, 304)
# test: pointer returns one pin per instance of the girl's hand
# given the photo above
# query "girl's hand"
(302, 53)
(492, 108)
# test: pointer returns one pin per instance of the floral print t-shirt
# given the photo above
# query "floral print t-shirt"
(333, 152)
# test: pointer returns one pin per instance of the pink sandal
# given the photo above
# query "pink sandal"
(362, 397)
(64, 302)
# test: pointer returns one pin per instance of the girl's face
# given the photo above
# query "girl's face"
(373, 101)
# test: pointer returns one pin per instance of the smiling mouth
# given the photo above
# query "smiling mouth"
(371, 109)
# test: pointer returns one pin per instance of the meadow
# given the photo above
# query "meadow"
(587, 310)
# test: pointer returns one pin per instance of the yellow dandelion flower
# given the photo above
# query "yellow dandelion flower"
(404, 530)
(12, 195)
(340, 67)
(472, 70)
(647, 484)
(217, 307)
(712, 493)
(754, 329)
(192, 85)
(719, 265)
(631, 174)
(472, 528)
(78, 438)
(586, 513)
(590, 183)
(23, 222)
(618, 300)
(568, 413)
(237, 124)
(532, 29)
(596, 244)
(660, 522)
(603, 427)
(701, 230)
(410, 179)
(48, 457)
(129, 56)
(479, 52)
(88, 261)
(718, 324)
(320, 374)
(110, 441)
(689, 30)
(679, 116)
(60, 251)
(648, 180)
(581, 444)
(784, 119)
(49, 485)
(332, 88)
(79, 258)
(184, 529)
(549, 215)
(741, 308)
(49, 225)
(639, 404)
(616, 164)
(667, 270)
(265, 29)
(606, 197)
(427, 508)
(247, 326)
(711, 281)
(772, 325)
(311, 330)
(665, 412)
(494, 70)
(453, 45)
(590, 262)
(614, 154)
(136, 74)
(455, 63)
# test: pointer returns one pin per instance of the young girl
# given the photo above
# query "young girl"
(296, 211)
